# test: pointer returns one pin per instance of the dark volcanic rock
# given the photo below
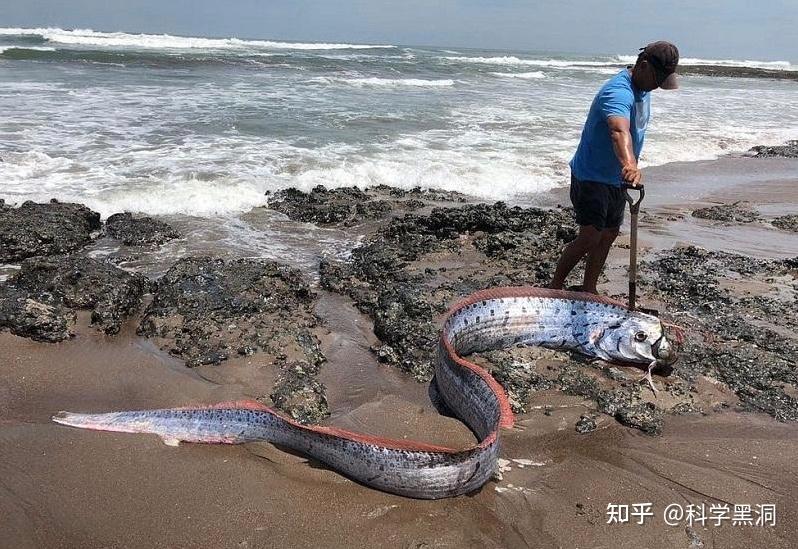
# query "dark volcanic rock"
(787, 223)
(417, 193)
(44, 229)
(623, 403)
(737, 72)
(523, 371)
(738, 212)
(586, 424)
(788, 150)
(645, 417)
(40, 297)
(346, 206)
(689, 276)
(298, 393)
(759, 378)
(518, 377)
(727, 71)
(138, 231)
(319, 206)
(372, 209)
(207, 309)
(36, 320)
(349, 206)
(744, 340)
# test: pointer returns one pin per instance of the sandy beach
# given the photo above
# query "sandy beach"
(707, 439)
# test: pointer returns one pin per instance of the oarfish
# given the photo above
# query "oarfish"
(491, 319)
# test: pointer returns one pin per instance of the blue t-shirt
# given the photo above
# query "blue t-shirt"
(595, 158)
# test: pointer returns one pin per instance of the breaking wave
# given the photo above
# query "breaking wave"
(522, 75)
(513, 60)
(618, 60)
(88, 37)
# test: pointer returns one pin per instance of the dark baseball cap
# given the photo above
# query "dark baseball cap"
(664, 57)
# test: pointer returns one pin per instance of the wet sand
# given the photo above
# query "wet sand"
(62, 487)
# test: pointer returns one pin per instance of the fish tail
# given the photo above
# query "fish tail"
(225, 423)
(113, 421)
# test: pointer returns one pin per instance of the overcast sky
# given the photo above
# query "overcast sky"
(701, 28)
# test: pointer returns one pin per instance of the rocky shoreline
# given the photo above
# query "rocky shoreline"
(787, 150)
(737, 72)
(742, 213)
(44, 229)
(420, 252)
(728, 71)
(350, 206)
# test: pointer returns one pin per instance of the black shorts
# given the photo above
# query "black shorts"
(597, 204)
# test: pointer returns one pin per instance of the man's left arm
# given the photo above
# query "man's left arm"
(619, 128)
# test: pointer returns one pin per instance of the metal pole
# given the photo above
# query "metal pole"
(634, 209)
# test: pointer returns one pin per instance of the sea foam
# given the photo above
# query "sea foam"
(521, 75)
(88, 37)
(385, 82)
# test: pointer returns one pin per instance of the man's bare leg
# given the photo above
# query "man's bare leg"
(596, 259)
(588, 239)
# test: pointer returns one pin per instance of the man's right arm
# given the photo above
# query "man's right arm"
(622, 145)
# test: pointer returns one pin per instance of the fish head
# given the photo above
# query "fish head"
(638, 338)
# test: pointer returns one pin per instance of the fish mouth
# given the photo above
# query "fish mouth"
(664, 352)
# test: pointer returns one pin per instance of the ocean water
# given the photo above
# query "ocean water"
(204, 127)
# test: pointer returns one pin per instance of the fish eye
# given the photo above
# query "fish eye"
(641, 336)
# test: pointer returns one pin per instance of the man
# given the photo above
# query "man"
(607, 157)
